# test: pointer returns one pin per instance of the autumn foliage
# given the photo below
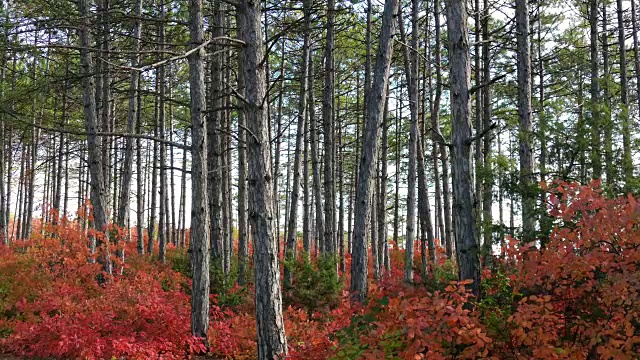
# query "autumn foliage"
(576, 297)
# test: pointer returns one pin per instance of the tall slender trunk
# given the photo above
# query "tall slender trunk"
(276, 167)
(214, 136)
(306, 212)
(525, 136)
(607, 122)
(315, 161)
(329, 133)
(627, 161)
(132, 115)
(464, 219)
(396, 201)
(99, 193)
(636, 50)
(373, 118)
(243, 226)
(272, 342)
(141, 180)
(411, 78)
(545, 221)
(478, 113)
(292, 233)
(435, 124)
(183, 192)
(199, 246)
(154, 185)
(162, 121)
(383, 242)
(487, 173)
(594, 116)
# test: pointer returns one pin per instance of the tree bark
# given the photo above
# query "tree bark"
(199, 246)
(375, 107)
(329, 134)
(524, 115)
(132, 116)
(99, 198)
(464, 219)
(435, 124)
(243, 226)
(627, 160)
(272, 342)
(595, 109)
(292, 234)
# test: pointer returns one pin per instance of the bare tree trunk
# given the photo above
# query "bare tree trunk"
(98, 190)
(276, 168)
(636, 51)
(464, 219)
(315, 161)
(594, 116)
(354, 174)
(154, 185)
(214, 150)
(162, 121)
(607, 122)
(141, 180)
(435, 124)
(340, 175)
(183, 193)
(199, 246)
(292, 234)
(524, 115)
(243, 226)
(329, 134)
(272, 342)
(373, 226)
(487, 180)
(627, 161)
(396, 202)
(477, 74)
(132, 116)
(375, 107)
(411, 77)
(306, 215)
(383, 242)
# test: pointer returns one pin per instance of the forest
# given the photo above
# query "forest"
(306, 179)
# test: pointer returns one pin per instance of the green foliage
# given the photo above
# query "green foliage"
(443, 274)
(497, 302)
(314, 286)
(223, 285)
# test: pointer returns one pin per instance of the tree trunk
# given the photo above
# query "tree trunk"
(594, 116)
(199, 246)
(435, 124)
(383, 242)
(132, 116)
(466, 231)
(373, 118)
(292, 233)
(243, 226)
(98, 190)
(487, 174)
(607, 122)
(524, 115)
(214, 149)
(627, 161)
(315, 161)
(329, 134)
(636, 51)
(272, 342)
